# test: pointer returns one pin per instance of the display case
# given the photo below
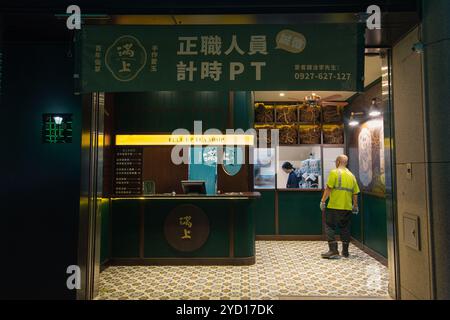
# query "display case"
(311, 136)
(307, 166)
(305, 123)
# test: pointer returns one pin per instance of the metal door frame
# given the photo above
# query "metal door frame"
(92, 143)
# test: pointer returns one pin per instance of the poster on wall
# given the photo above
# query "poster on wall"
(222, 57)
(367, 147)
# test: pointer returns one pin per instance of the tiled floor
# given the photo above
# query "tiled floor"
(283, 270)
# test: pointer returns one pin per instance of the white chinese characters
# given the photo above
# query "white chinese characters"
(212, 45)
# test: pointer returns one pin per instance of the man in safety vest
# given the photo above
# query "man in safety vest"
(342, 189)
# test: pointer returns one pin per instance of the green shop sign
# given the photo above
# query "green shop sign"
(227, 57)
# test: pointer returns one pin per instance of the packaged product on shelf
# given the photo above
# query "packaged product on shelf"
(310, 170)
(286, 114)
(288, 135)
(310, 113)
(310, 134)
(264, 113)
(260, 130)
(333, 134)
(332, 114)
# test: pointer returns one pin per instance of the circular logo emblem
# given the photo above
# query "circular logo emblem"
(290, 41)
(232, 160)
(210, 156)
(125, 58)
(186, 228)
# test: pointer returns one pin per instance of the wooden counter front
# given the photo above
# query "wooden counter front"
(166, 229)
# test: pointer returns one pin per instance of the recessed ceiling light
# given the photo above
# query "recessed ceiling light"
(282, 94)
(353, 121)
(375, 113)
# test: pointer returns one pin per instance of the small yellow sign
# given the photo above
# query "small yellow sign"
(196, 140)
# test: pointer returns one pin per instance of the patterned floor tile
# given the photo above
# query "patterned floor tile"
(282, 270)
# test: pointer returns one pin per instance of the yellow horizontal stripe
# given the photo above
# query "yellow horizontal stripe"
(187, 140)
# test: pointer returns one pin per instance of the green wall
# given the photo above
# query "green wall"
(125, 228)
(370, 226)
(105, 237)
(165, 111)
(264, 210)
(356, 231)
(243, 110)
(299, 213)
(40, 182)
(375, 223)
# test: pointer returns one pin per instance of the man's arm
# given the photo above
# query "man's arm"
(355, 201)
(326, 194)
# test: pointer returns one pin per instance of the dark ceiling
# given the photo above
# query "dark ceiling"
(204, 6)
(35, 20)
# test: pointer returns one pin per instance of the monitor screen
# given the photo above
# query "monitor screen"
(193, 187)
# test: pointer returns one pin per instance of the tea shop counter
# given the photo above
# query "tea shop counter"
(166, 229)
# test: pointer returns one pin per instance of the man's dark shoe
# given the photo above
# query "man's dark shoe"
(345, 246)
(333, 252)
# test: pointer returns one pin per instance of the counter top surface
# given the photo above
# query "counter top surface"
(169, 196)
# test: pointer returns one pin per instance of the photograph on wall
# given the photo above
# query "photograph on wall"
(367, 148)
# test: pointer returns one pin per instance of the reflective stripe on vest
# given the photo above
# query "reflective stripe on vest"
(339, 186)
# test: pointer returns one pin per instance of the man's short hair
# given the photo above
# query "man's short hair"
(342, 159)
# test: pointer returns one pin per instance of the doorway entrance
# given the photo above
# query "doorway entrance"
(278, 225)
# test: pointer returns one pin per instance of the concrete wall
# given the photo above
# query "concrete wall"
(410, 135)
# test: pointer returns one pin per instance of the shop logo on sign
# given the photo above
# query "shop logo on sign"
(291, 41)
(126, 58)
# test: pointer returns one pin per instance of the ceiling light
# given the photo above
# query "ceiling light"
(353, 122)
(282, 94)
(374, 110)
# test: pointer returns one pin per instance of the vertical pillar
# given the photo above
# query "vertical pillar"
(436, 37)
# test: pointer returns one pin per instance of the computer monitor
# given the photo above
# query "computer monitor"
(193, 187)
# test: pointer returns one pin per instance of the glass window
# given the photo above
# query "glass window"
(329, 160)
(264, 167)
(306, 165)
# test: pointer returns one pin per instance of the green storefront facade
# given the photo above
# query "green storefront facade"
(54, 232)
